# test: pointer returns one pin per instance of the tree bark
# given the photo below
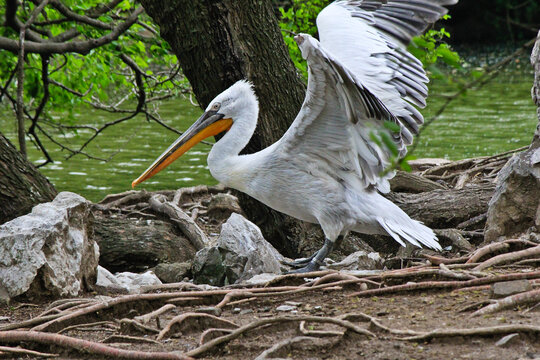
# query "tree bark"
(442, 209)
(22, 186)
(220, 42)
(127, 245)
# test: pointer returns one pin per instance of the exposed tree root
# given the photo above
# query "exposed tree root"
(181, 319)
(495, 247)
(480, 331)
(340, 276)
(309, 332)
(238, 293)
(432, 285)
(241, 330)
(84, 345)
(505, 258)
(129, 339)
(30, 322)
(146, 318)
(270, 352)
(111, 325)
(510, 302)
(436, 260)
(376, 324)
(130, 325)
(450, 274)
(212, 333)
(21, 351)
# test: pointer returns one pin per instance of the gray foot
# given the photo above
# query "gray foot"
(312, 266)
(314, 262)
(298, 263)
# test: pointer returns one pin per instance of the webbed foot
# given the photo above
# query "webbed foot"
(311, 266)
(302, 262)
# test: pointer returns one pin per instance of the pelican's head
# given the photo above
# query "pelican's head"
(217, 118)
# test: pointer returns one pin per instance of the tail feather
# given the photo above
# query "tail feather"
(373, 208)
(405, 228)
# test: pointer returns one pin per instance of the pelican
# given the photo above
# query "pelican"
(327, 169)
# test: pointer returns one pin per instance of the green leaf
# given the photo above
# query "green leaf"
(389, 143)
(392, 126)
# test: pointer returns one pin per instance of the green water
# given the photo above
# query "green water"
(498, 117)
(494, 119)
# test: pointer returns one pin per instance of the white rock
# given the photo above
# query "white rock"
(108, 283)
(134, 282)
(241, 252)
(285, 308)
(50, 249)
(125, 282)
(360, 260)
(260, 279)
(239, 239)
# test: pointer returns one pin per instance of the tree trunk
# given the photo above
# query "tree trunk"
(220, 42)
(21, 185)
(515, 206)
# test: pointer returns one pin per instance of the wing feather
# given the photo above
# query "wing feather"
(360, 75)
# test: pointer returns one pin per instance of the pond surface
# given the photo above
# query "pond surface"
(496, 118)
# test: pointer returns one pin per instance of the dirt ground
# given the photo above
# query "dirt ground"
(417, 311)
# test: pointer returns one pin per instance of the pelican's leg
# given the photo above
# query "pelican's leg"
(300, 262)
(315, 261)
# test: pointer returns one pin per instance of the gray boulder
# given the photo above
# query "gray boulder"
(513, 209)
(172, 272)
(49, 252)
(241, 252)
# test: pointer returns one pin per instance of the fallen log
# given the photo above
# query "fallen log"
(443, 209)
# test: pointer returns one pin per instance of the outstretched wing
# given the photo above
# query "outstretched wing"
(359, 76)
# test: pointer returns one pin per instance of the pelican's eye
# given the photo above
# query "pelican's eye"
(215, 106)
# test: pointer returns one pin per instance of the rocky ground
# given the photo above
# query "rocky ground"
(474, 300)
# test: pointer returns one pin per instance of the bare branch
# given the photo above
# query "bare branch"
(80, 47)
(70, 90)
(110, 123)
(73, 152)
(16, 24)
(102, 9)
(148, 27)
(41, 106)
(68, 13)
(65, 36)
(35, 13)
(3, 90)
(20, 93)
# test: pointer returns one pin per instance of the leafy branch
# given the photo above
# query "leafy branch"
(107, 56)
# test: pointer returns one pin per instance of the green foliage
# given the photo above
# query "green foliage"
(300, 18)
(100, 75)
(431, 50)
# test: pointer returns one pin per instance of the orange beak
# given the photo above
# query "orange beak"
(209, 124)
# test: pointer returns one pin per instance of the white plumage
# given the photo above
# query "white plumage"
(326, 168)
